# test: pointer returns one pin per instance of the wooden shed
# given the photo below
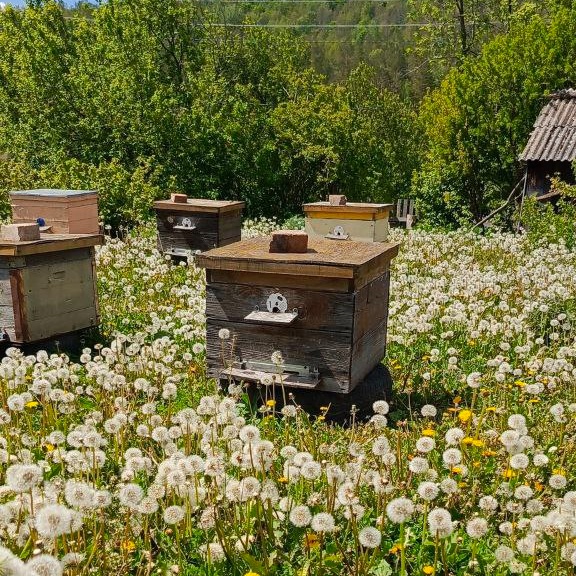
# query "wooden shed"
(551, 148)
(325, 311)
(47, 286)
(186, 225)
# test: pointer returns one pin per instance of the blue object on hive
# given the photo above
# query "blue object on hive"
(40, 221)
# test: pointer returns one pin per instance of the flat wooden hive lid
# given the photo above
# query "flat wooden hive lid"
(200, 205)
(329, 258)
(52, 193)
(348, 207)
(49, 243)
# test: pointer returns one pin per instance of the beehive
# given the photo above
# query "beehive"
(350, 221)
(325, 310)
(64, 211)
(197, 224)
(47, 286)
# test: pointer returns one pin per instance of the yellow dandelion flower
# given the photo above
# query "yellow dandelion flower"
(477, 443)
(32, 404)
(428, 569)
(488, 453)
(519, 383)
(271, 403)
(128, 545)
(509, 473)
(49, 447)
(533, 400)
(251, 574)
(538, 486)
(456, 470)
(465, 415)
(468, 440)
(283, 480)
(559, 471)
(311, 540)
(428, 432)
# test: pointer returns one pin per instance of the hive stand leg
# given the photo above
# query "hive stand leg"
(376, 386)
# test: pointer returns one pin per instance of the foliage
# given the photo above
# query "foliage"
(124, 197)
(552, 222)
(477, 122)
(151, 96)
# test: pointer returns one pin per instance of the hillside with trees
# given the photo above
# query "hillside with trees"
(425, 98)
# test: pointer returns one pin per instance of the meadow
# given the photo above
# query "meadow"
(127, 460)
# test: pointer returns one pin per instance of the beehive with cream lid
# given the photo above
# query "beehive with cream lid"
(354, 221)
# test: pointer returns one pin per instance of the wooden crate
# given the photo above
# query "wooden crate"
(326, 311)
(352, 221)
(47, 287)
(65, 211)
(197, 225)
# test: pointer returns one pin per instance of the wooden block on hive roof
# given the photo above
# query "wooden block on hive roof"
(179, 198)
(337, 200)
(289, 242)
(21, 232)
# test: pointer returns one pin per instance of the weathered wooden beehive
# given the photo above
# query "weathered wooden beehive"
(47, 285)
(348, 221)
(324, 310)
(186, 225)
(64, 211)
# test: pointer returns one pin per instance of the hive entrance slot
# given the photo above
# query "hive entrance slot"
(338, 234)
(276, 306)
(293, 375)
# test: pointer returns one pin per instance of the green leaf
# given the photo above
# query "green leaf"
(381, 569)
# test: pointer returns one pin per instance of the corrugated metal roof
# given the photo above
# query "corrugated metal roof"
(554, 134)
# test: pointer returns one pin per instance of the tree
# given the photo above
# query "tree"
(477, 122)
(452, 30)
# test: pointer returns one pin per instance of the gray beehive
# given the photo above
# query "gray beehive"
(187, 226)
(325, 310)
(47, 286)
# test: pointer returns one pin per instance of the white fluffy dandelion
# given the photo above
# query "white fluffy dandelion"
(399, 510)
(45, 565)
(440, 522)
(174, 514)
(53, 520)
(477, 527)
(323, 522)
(300, 516)
(369, 537)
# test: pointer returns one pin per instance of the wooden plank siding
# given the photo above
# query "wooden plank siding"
(316, 310)
(327, 351)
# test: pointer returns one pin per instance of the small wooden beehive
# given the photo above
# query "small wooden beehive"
(325, 310)
(186, 225)
(348, 221)
(64, 211)
(47, 286)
